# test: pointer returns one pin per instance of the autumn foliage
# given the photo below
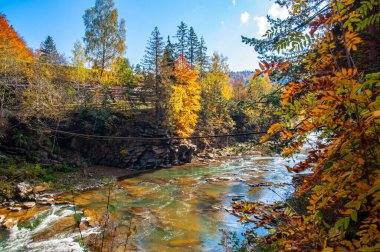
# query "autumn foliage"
(337, 98)
(184, 102)
(11, 44)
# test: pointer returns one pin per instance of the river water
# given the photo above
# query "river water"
(176, 209)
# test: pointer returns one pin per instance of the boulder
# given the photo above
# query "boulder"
(15, 209)
(29, 204)
(8, 224)
(45, 201)
(86, 222)
(24, 189)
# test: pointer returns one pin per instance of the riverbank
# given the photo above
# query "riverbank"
(176, 209)
(31, 197)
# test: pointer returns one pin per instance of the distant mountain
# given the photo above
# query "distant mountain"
(241, 76)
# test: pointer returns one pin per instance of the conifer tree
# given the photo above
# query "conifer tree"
(48, 52)
(104, 36)
(192, 46)
(202, 58)
(182, 37)
(167, 78)
(152, 63)
(169, 53)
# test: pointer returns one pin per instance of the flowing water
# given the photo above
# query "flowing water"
(176, 209)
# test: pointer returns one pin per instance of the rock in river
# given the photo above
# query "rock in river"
(24, 189)
(29, 204)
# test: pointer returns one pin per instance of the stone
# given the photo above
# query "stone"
(24, 189)
(236, 198)
(87, 222)
(15, 209)
(29, 204)
(158, 151)
(8, 224)
(41, 187)
(45, 201)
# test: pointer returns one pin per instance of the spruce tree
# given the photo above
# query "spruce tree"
(104, 36)
(182, 37)
(48, 52)
(169, 54)
(152, 63)
(192, 46)
(167, 79)
(202, 59)
(154, 52)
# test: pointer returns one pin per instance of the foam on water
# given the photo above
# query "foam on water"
(21, 238)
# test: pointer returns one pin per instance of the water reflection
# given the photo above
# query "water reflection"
(182, 208)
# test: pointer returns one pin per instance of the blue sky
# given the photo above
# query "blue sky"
(221, 22)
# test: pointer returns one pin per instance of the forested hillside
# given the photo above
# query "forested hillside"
(51, 104)
(80, 122)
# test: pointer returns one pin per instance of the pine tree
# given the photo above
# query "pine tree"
(193, 46)
(104, 36)
(202, 59)
(182, 37)
(48, 52)
(152, 63)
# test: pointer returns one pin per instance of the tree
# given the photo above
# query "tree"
(169, 53)
(182, 36)
(48, 52)
(216, 93)
(11, 44)
(335, 94)
(79, 55)
(202, 58)
(167, 80)
(124, 73)
(78, 60)
(152, 62)
(193, 46)
(184, 103)
(104, 36)
(154, 52)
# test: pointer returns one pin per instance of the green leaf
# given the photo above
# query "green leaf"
(354, 215)
(77, 217)
(111, 208)
(346, 222)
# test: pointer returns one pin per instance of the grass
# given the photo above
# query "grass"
(13, 172)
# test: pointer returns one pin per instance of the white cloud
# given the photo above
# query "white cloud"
(277, 11)
(262, 24)
(244, 17)
(234, 2)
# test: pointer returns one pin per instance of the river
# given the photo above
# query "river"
(176, 209)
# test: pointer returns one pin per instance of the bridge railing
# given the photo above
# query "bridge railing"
(78, 86)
